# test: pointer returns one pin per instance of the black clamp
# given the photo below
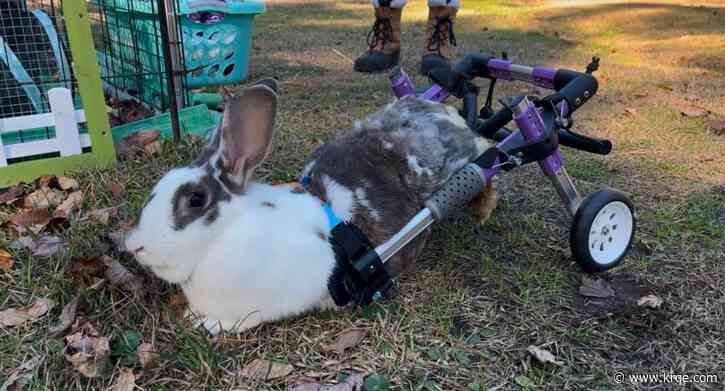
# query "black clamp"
(360, 275)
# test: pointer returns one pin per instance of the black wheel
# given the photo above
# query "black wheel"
(602, 230)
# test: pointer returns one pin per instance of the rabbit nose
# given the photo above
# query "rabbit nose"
(136, 251)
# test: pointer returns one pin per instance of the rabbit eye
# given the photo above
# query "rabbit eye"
(197, 199)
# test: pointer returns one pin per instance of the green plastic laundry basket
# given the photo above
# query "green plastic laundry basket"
(216, 36)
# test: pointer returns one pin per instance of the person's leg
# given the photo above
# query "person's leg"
(383, 39)
(439, 37)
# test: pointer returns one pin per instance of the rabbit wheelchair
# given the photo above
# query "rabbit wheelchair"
(603, 223)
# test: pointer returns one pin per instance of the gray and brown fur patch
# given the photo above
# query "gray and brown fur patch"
(195, 200)
(396, 159)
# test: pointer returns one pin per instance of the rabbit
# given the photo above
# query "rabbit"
(247, 253)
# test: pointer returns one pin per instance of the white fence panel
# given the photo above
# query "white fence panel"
(66, 128)
(63, 117)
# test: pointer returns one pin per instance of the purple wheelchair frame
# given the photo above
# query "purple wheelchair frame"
(542, 125)
(526, 116)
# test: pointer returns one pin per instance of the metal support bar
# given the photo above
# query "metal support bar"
(173, 62)
(567, 191)
(410, 231)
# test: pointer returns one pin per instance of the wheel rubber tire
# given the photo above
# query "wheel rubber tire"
(581, 230)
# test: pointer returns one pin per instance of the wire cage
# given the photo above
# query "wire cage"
(34, 58)
(130, 38)
(51, 119)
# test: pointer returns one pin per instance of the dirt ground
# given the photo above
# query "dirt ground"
(480, 296)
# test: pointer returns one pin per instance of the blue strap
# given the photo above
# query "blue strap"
(332, 218)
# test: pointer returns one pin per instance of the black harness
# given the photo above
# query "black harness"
(359, 276)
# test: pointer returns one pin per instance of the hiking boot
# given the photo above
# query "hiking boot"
(440, 39)
(383, 41)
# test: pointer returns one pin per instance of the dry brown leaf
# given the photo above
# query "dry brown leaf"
(67, 183)
(70, 205)
(153, 148)
(117, 274)
(43, 198)
(87, 351)
(33, 220)
(116, 190)
(136, 143)
(102, 216)
(22, 374)
(6, 260)
(47, 181)
(717, 125)
(45, 246)
(693, 112)
(650, 301)
(14, 317)
(85, 269)
(146, 355)
(126, 380)
(595, 288)
(266, 370)
(346, 339)
(543, 356)
(11, 194)
(66, 318)
(351, 383)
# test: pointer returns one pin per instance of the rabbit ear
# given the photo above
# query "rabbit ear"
(245, 134)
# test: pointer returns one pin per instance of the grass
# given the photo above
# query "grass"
(480, 295)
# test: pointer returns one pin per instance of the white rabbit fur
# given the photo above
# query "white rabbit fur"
(245, 253)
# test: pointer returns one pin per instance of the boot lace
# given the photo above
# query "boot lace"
(382, 32)
(442, 31)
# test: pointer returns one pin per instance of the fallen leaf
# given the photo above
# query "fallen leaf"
(15, 317)
(650, 301)
(543, 356)
(70, 205)
(595, 288)
(118, 275)
(631, 111)
(346, 339)
(524, 381)
(178, 304)
(87, 351)
(717, 125)
(33, 220)
(66, 183)
(126, 380)
(43, 198)
(376, 382)
(136, 143)
(66, 318)
(102, 216)
(85, 269)
(47, 181)
(153, 148)
(116, 190)
(693, 112)
(146, 355)
(43, 247)
(22, 374)
(11, 194)
(266, 370)
(6, 260)
(144, 137)
(351, 383)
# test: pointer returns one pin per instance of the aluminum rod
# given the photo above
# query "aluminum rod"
(410, 231)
